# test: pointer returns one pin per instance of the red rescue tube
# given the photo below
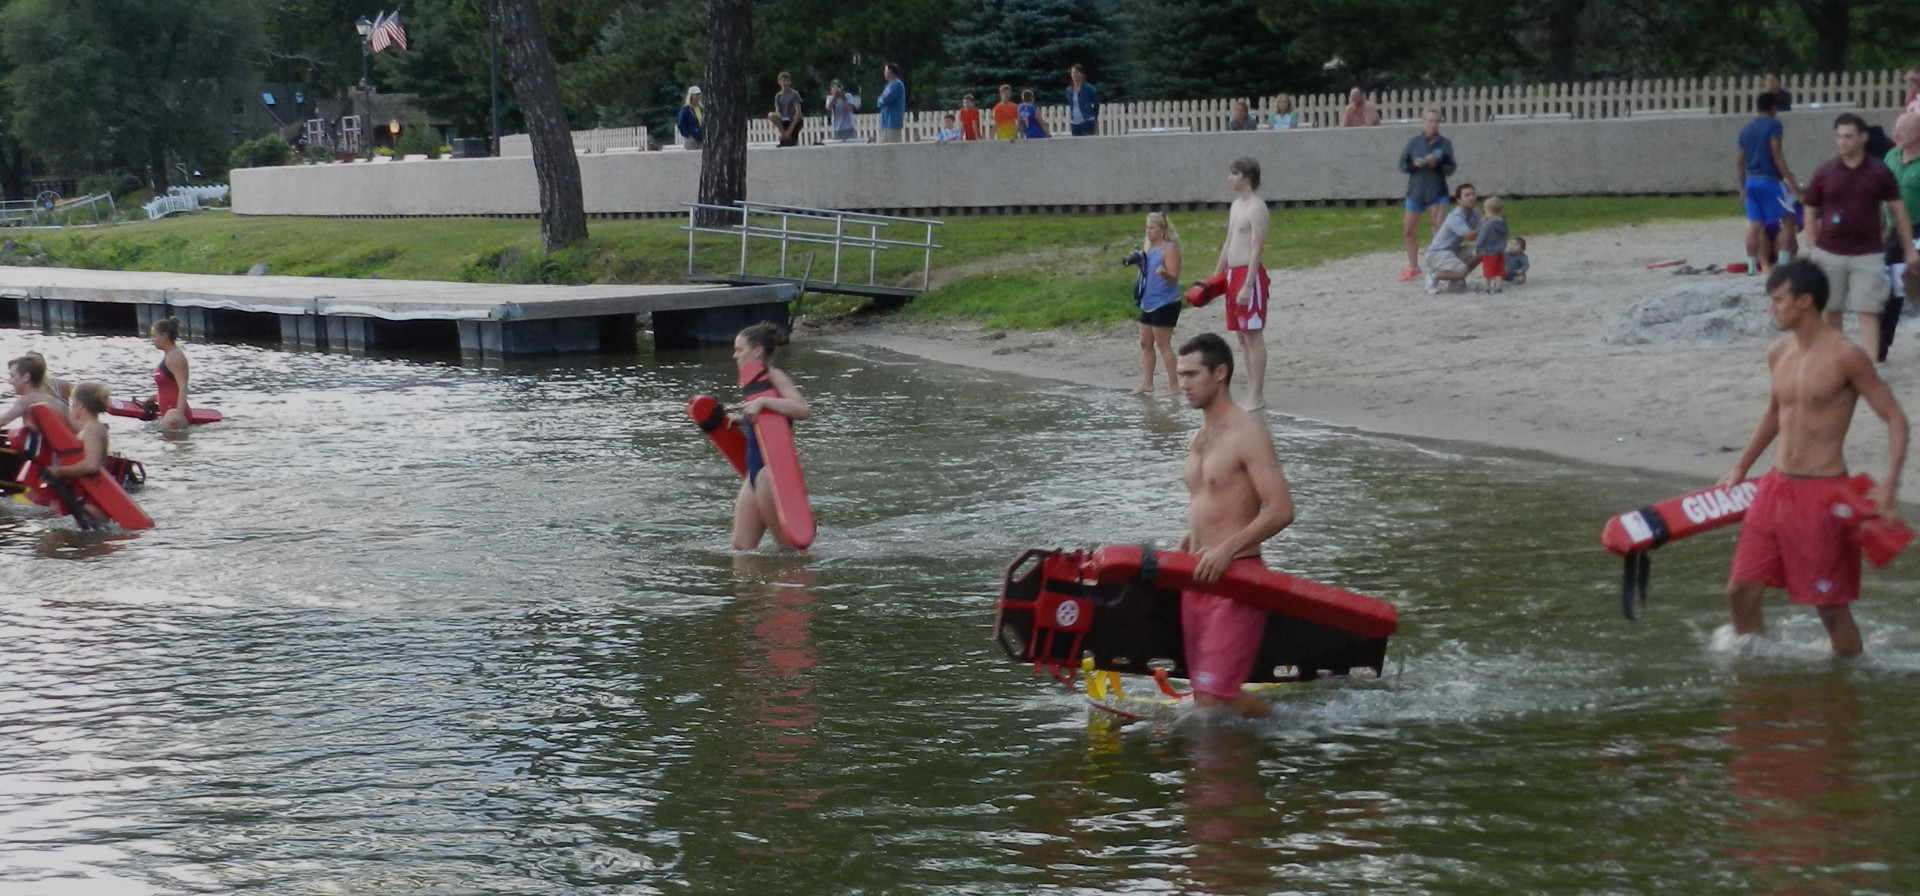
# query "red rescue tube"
(1267, 589)
(1199, 294)
(719, 427)
(59, 445)
(1881, 538)
(123, 408)
(774, 433)
(1639, 531)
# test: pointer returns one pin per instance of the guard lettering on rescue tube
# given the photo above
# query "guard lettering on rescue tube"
(1719, 502)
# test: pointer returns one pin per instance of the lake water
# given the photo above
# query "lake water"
(412, 628)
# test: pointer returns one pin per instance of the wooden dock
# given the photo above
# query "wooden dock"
(333, 314)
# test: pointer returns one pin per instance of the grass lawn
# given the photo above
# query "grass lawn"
(1017, 271)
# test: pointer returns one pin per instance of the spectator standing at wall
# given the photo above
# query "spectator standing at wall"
(840, 114)
(1083, 104)
(787, 117)
(1006, 115)
(1428, 161)
(1904, 161)
(1782, 99)
(1359, 113)
(1844, 202)
(1284, 118)
(1911, 78)
(969, 118)
(893, 107)
(1241, 119)
(1032, 127)
(949, 130)
(1766, 186)
(693, 120)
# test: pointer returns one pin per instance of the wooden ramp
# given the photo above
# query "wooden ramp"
(337, 314)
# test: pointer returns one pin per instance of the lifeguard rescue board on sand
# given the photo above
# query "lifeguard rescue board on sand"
(149, 411)
(774, 434)
(720, 428)
(1117, 609)
(1634, 533)
(53, 442)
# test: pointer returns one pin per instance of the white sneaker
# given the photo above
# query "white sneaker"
(1433, 284)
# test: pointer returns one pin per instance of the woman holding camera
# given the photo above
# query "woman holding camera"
(1158, 294)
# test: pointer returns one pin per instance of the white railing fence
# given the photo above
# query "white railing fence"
(1720, 95)
(172, 203)
(205, 193)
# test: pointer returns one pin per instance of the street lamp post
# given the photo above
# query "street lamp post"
(493, 72)
(366, 82)
(366, 51)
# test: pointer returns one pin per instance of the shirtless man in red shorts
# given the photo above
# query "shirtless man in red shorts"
(1238, 499)
(1790, 534)
(1247, 284)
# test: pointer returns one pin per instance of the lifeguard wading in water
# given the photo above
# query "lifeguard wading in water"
(1791, 533)
(1238, 499)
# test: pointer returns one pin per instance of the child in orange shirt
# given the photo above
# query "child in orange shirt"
(1006, 115)
(969, 119)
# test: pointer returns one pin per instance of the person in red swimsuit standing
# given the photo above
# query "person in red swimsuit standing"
(170, 377)
(1791, 534)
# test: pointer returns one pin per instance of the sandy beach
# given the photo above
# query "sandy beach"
(1530, 369)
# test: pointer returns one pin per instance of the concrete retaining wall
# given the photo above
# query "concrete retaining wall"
(1530, 158)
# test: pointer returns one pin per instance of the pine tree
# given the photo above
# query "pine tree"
(1205, 49)
(1030, 44)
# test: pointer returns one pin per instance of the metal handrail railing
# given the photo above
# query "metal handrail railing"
(871, 242)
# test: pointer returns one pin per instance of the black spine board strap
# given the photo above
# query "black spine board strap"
(1638, 566)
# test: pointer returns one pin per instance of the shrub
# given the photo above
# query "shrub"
(319, 152)
(117, 184)
(265, 152)
(383, 151)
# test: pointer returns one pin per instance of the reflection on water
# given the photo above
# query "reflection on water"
(407, 627)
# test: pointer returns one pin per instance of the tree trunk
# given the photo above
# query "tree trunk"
(1832, 32)
(1563, 39)
(723, 155)
(162, 178)
(563, 214)
(13, 169)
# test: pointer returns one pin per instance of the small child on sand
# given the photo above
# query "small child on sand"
(1491, 244)
(1516, 261)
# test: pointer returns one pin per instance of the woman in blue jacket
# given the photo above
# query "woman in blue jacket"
(693, 121)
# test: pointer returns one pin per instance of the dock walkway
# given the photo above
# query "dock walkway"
(348, 315)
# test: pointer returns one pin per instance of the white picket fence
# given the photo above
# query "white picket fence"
(1724, 95)
(207, 193)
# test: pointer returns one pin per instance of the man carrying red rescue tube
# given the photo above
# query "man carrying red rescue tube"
(1247, 282)
(1791, 534)
(1238, 500)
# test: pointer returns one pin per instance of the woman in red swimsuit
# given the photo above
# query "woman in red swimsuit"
(170, 377)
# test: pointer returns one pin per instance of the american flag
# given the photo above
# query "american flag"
(387, 32)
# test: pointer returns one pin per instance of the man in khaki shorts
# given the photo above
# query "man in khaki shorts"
(1450, 256)
(1843, 203)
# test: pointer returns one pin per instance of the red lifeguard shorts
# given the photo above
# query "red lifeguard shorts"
(1493, 266)
(1253, 315)
(1221, 637)
(1792, 536)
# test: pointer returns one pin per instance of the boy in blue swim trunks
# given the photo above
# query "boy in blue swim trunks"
(1766, 186)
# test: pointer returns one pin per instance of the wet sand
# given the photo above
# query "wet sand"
(1528, 369)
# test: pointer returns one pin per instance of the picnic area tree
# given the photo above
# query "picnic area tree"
(536, 88)
(723, 155)
(127, 85)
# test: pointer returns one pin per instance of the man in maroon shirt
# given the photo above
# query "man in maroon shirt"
(1844, 224)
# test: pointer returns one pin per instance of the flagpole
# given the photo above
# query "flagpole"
(493, 68)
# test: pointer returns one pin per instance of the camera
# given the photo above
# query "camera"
(1136, 258)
